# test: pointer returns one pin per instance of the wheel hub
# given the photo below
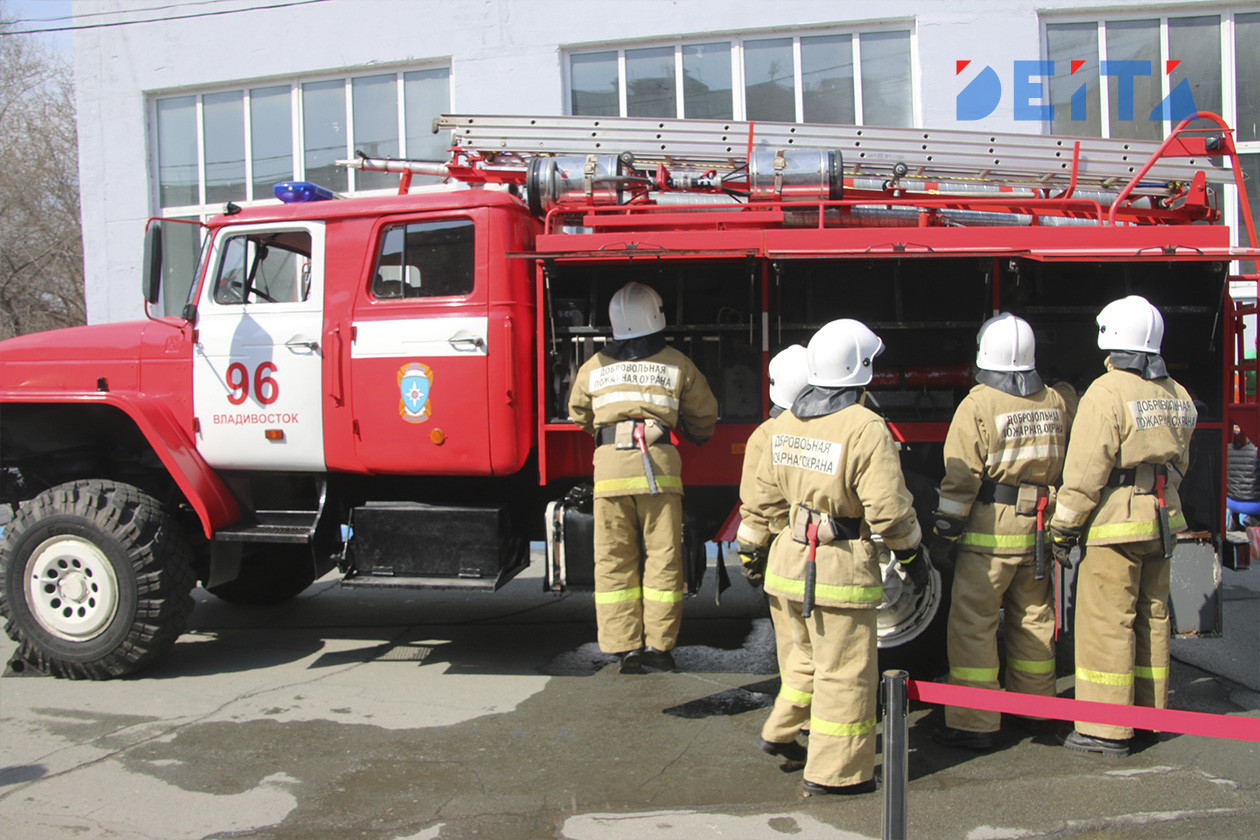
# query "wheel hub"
(71, 588)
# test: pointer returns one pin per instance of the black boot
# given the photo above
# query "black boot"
(661, 660)
(809, 788)
(962, 739)
(631, 662)
(790, 750)
(1102, 746)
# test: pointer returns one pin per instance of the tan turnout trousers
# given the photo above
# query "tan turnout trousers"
(638, 586)
(1122, 622)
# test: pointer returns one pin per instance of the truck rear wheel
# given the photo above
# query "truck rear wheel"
(97, 580)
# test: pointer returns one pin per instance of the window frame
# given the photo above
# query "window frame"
(737, 44)
(203, 208)
(383, 231)
(1226, 16)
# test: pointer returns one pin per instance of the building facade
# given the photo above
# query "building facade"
(184, 108)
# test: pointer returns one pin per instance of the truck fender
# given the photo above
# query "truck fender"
(206, 492)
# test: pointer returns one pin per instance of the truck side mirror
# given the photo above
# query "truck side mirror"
(152, 271)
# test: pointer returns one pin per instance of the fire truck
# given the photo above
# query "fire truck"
(379, 383)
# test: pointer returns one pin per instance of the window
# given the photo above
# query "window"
(1212, 60)
(240, 159)
(425, 259)
(840, 78)
(264, 268)
(1126, 69)
(235, 145)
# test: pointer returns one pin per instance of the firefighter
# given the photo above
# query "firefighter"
(1119, 502)
(1003, 454)
(788, 373)
(630, 396)
(832, 472)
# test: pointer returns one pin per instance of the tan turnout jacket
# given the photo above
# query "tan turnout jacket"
(1125, 421)
(1006, 439)
(666, 387)
(845, 465)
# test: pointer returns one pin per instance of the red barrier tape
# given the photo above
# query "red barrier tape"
(1062, 708)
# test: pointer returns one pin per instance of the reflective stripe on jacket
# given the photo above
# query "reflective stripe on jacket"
(665, 386)
(844, 465)
(1010, 440)
(1123, 421)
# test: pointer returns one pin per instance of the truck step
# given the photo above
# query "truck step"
(479, 584)
(273, 526)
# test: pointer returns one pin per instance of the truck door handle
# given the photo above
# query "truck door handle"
(472, 343)
(296, 343)
(338, 392)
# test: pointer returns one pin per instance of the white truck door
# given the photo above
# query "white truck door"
(258, 361)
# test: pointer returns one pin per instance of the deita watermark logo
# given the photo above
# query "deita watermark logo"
(1030, 91)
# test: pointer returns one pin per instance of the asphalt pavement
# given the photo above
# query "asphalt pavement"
(422, 715)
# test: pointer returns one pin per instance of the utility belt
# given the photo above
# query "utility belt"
(621, 433)
(1148, 480)
(1142, 478)
(828, 528)
(636, 434)
(1028, 500)
(814, 528)
(1025, 497)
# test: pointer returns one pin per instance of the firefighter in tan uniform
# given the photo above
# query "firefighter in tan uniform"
(832, 470)
(1119, 502)
(1003, 454)
(630, 395)
(788, 374)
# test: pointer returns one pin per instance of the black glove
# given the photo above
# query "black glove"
(1062, 541)
(915, 565)
(752, 562)
(943, 544)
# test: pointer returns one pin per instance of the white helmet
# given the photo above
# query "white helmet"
(1132, 324)
(635, 310)
(1006, 343)
(841, 353)
(788, 372)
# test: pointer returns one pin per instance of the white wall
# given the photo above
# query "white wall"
(506, 57)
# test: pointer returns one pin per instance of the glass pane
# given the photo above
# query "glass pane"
(1074, 96)
(426, 94)
(1247, 73)
(427, 259)
(181, 245)
(282, 273)
(376, 126)
(229, 285)
(324, 130)
(827, 79)
(224, 115)
(1137, 41)
(270, 137)
(650, 83)
(886, 98)
(1196, 41)
(770, 80)
(1251, 179)
(593, 82)
(177, 151)
(707, 90)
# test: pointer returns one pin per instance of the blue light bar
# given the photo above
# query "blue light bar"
(294, 191)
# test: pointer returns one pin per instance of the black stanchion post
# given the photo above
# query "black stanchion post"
(896, 755)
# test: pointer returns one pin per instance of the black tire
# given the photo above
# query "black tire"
(97, 580)
(272, 575)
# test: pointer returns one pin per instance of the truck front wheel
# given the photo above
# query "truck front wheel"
(97, 580)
